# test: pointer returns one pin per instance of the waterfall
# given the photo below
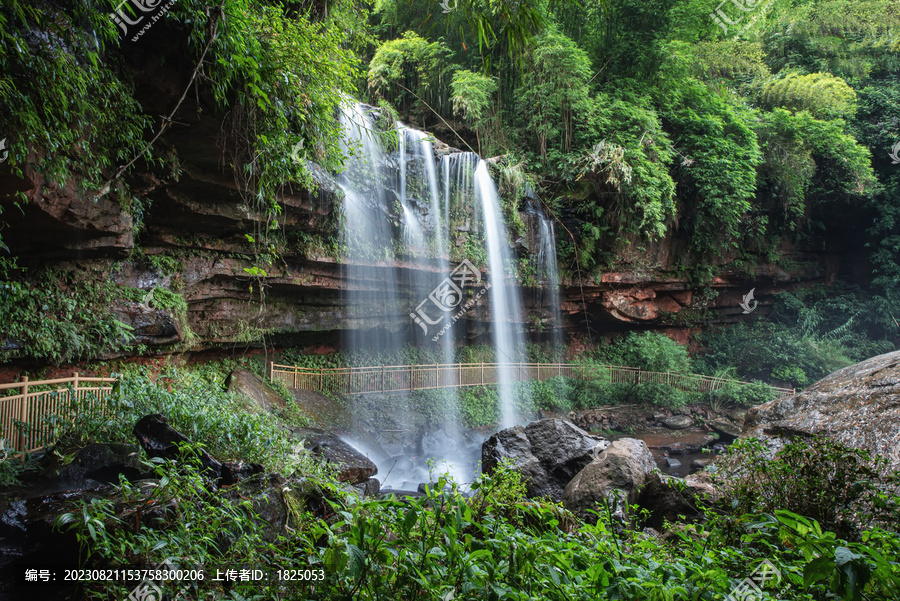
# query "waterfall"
(544, 240)
(506, 308)
(413, 234)
(401, 286)
(372, 291)
(423, 152)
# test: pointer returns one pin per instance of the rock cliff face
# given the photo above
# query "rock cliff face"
(192, 239)
(857, 406)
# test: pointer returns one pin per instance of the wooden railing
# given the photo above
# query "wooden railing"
(27, 407)
(397, 378)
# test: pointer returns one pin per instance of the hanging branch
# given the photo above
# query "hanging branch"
(439, 117)
(216, 15)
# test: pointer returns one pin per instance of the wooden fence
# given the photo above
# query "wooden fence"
(27, 408)
(397, 378)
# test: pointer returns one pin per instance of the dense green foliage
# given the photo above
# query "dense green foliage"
(196, 403)
(809, 334)
(278, 72)
(59, 316)
(838, 487)
(493, 544)
(647, 119)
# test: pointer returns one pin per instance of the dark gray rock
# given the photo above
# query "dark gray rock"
(678, 422)
(159, 439)
(369, 488)
(615, 476)
(94, 466)
(725, 427)
(670, 499)
(353, 467)
(279, 503)
(547, 453)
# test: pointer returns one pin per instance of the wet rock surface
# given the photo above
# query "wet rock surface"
(678, 422)
(353, 467)
(857, 406)
(548, 453)
(670, 499)
(254, 388)
(728, 429)
(94, 467)
(159, 439)
(615, 476)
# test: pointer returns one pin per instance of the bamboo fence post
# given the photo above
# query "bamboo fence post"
(482, 373)
(76, 397)
(23, 414)
(382, 377)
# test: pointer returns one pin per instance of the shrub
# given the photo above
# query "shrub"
(650, 351)
(479, 406)
(743, 395)
(556, 393)
(225, 424)
(837, 486)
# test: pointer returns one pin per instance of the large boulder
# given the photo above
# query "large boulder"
(353, 467)
(94, 467)
(159, 439)
(547, 453)
(616, 476)
(671, 499)
(254, 388)
(857, 406)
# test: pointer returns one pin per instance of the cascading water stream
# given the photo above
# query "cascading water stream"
(547, 272)
(413, 235)
(506, 308)
(397, 235)
(372, 292)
